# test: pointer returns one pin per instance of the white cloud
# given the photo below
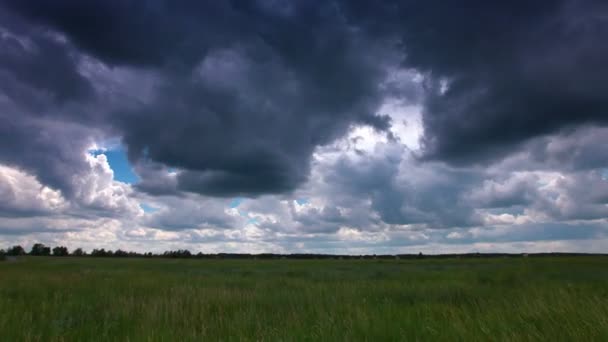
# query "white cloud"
(97, 189)
(23, 194)
(366, 194)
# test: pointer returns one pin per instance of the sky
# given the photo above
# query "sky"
(289, 126)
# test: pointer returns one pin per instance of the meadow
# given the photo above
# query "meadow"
(137, 299)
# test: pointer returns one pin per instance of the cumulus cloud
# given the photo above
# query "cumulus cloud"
(96, 195)
(98, 191)
(23, 195)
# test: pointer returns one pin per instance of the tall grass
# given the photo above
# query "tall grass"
(87, 299)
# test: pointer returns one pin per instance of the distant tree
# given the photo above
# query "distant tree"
(60, 251)
(99, 252)
(180, 253)
(15, 250)
(40, 249)
(120, 253)
(36, 249)
(78, 252)
(102, 253)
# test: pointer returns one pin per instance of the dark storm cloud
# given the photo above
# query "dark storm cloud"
(39, 81)
(243, 92)
(246, 90)
(527, 71)
(35, 65)
(53, 152)
(121, 32)
(509, 70)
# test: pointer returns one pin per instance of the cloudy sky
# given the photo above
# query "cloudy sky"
(305, 126)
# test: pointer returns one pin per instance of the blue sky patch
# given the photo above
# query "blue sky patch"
(119, 163)
(236, 202)
(123, 171)
(252, 220)
(148, 208)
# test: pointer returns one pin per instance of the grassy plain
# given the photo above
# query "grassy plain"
(511, 299)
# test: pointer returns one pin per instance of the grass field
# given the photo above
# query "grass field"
(517, 299)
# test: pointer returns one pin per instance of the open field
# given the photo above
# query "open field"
(475, 299)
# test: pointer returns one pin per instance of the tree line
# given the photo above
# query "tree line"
(39, 249)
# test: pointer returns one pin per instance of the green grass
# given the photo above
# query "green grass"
(516, 299)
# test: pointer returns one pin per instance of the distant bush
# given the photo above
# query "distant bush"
(101, 253)
(180, 253)
(121, 253)
(15, 251)
(39, 249)
(78, 252)
(60, 251)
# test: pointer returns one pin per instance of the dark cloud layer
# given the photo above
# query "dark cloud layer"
(499, 73)
(242, 92)
(245, 91)
(518, 72)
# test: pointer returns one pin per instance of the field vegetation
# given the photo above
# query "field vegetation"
(471, 299)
